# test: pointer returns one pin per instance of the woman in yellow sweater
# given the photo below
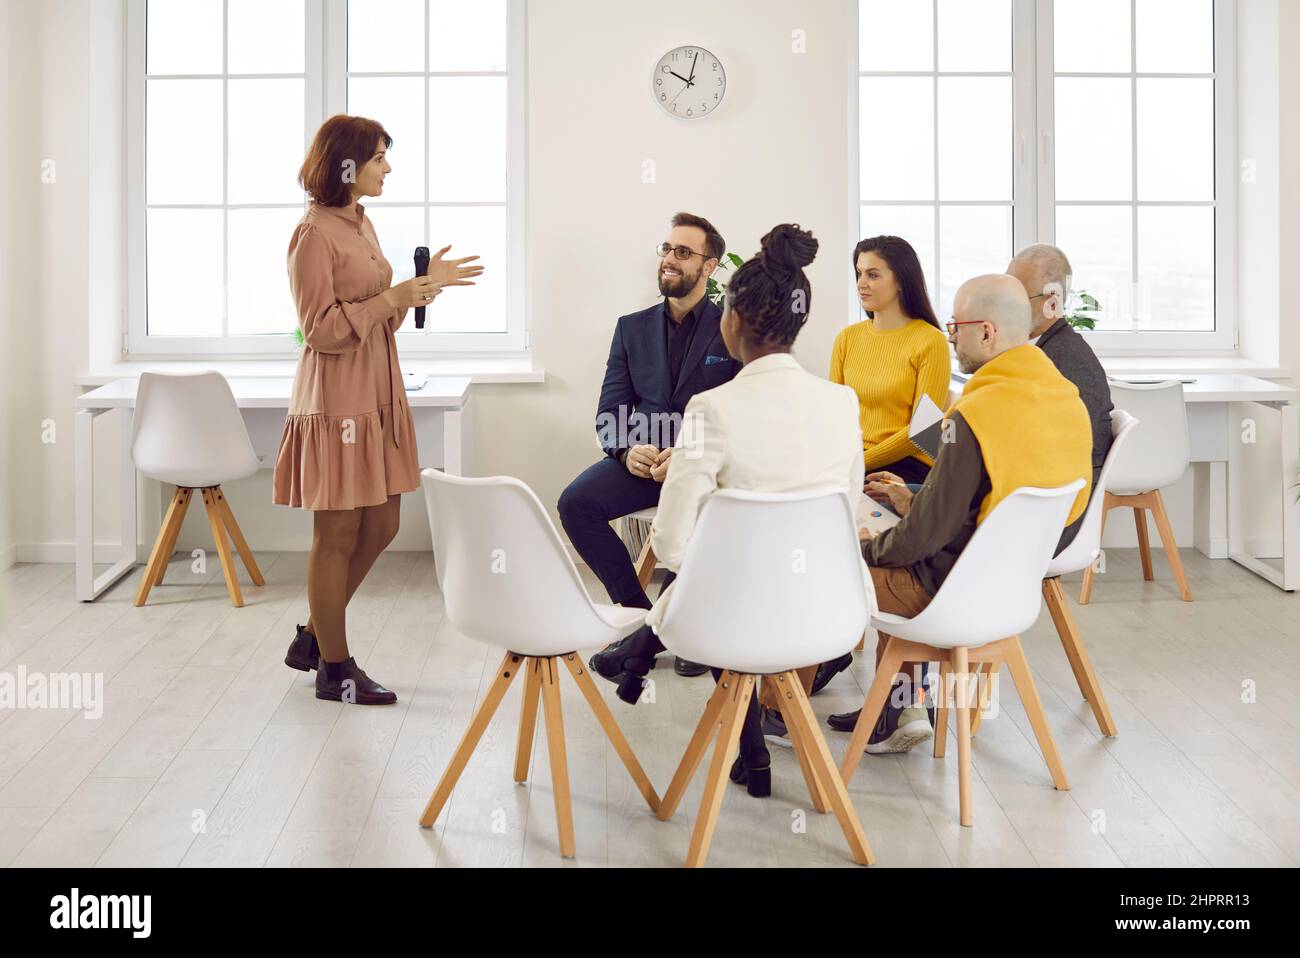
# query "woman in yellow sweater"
(894, 357)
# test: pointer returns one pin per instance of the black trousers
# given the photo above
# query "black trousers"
(909, 469)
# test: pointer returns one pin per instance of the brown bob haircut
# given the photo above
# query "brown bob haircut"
(342, 144)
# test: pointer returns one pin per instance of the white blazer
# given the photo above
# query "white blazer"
(773, 428)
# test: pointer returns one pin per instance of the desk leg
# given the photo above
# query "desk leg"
(1210, 516)
(1290, 506)
(456, 430)
(85, 504)
(130, 553)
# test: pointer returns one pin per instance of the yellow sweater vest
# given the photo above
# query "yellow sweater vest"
(1032, 427)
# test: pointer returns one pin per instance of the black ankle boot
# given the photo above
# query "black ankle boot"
(627, 662)
(755, 773)
(345, 682)
(303, 651)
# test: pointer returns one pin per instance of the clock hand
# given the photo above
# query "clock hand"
(691, 80)
(679, 76)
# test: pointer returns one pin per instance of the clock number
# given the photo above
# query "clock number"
(715, 66)
(664, 96)
(659, 81)
(689, 111)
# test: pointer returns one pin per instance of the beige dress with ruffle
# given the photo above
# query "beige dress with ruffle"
(349, 440)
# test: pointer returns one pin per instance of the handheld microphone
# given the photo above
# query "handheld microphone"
(421, 269)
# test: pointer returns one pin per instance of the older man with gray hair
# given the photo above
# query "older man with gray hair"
(1045, 273)
(1019, 422)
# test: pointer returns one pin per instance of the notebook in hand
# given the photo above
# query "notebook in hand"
(927, 427)
(876, 517)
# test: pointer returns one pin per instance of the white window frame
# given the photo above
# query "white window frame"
(1033, 197)
(325, 79)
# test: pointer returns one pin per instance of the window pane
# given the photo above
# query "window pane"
(1094, 139)
(975, 141)
(1176, 268)
(913, 223)
(975, 35)
(896, 138)
(183, 36)
(467, 138)
(266, 36)
(266, 141)
(895, 35)
(1175, 36)
(257, 287)
(1092, 36)
(385, 36)
(1099, 243)
(398, 104)
(467, 36)
(400, 230)
(472, 230)
(184, 275)
(973, 240)
(183, 148)
(1175, 139)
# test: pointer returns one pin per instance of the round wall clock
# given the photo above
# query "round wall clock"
(688, 82)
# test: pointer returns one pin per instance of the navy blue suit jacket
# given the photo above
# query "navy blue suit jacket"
(638, 403)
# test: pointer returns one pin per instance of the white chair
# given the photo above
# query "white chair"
(189, 432)
(991, 595)
(769, 583)
(507, 581)
(1157, 457)
(645, 561)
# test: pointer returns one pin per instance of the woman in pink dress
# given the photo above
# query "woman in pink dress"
(348, 448)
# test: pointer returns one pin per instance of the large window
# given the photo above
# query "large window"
(226, 95)
(1103, 126)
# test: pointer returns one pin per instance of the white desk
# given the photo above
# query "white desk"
(441, 412)
(1217, 407)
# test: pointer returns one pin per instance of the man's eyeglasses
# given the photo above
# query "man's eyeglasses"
(952, 324)
(681, 252)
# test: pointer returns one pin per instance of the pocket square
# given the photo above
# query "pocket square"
(714, 360)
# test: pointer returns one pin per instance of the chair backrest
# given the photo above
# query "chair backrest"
(994, 590)
(501, 564)
(188, 424)
(1159, 452)
(1083, 550)
(769, 582)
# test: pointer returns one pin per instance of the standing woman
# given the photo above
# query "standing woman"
(894, 357)
(348, 448)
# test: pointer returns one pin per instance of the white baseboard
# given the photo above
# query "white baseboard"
(67, 552)
(8, 556)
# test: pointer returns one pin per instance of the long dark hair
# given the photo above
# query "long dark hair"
(902, 260)
(770, 291)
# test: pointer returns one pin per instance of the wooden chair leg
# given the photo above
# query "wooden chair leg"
(237, 535)
(170, 545)
(1018, 666)
(158, 557)
(1171, 547)
(506, 672)
(983, 679)
(645, 565)
(694, 753)
(612, 731)
(554, 716)
(1085, 592)
(961, 692)
(532, 669)
(801, 717)
(216, 521)
(741, 688)
(862, 643)
(787, 681)
(943, 703)
(877, 695)
(1144, 543)
(1068, 630)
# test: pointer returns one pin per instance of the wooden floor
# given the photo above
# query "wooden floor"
(211, 752)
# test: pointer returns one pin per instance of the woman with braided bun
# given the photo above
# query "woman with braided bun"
(773, 428)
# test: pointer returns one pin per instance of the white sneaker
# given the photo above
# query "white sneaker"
(912, 729)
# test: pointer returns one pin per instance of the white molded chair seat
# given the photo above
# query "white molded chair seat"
(991, 595)
(770, 582)
(188, 431)
(508, 581)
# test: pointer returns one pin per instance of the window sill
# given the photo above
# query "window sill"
(514, 368)
(1191, 365)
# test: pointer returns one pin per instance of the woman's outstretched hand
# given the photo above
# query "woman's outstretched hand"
(453, 272)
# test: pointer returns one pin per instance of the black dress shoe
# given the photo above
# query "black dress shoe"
(844, 721)
(688, 669)
(755, 773)
(828, 670)
(345, 682)
(303, 651)
(627, 662)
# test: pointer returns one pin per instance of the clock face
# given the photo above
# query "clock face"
(688, 82)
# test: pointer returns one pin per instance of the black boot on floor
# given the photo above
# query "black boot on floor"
(345, 682)
(688, 669)
(627, 662)
(303, 652)
(754, 772)
(828, 670)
